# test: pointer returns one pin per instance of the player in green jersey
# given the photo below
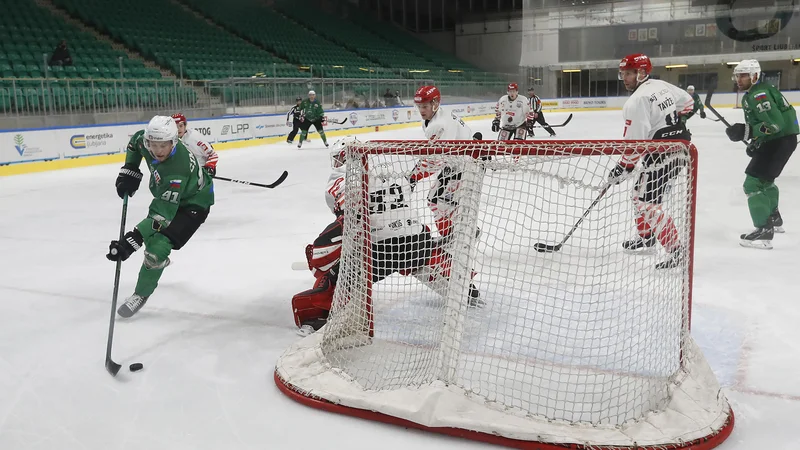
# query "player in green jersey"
(770, 132)
(311, 113)
(182, 197)
(698, 105)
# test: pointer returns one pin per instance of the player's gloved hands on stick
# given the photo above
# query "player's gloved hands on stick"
(128, 180)
(737, 132)
(496, 125)
(702, 114)
(211, 169)
(616, 175)
(122, 250)
(752, 149)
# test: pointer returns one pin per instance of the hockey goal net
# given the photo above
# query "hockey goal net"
(588, 346)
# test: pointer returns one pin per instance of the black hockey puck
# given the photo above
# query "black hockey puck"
(135, 367)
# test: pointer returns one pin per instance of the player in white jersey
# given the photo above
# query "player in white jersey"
(652, 112)
(200, 148)
(402, 244)
(513, 117)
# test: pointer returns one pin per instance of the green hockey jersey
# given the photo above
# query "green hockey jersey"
(768, 114)
(312, 111)
(178, 181)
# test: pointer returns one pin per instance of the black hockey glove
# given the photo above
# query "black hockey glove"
(702, 114)
(212, 170)
(477, 136)
(752, 148)
(616, 174)
(122, 250)
(128, 180)
(529, 126)
(738, 132)
(496, 125)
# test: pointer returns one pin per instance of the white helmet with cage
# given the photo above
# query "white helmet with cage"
(160, 129)
(338, 151)
(690, 88)
(750, 67)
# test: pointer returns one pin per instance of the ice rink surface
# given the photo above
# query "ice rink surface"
(210, 335)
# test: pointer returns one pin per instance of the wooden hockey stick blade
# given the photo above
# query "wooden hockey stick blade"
(299, 265)
(275, 184)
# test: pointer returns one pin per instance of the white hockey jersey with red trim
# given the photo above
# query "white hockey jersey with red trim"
(513, 113)
(444, 127)
(202, 150)
(334, 191)
(653, 106)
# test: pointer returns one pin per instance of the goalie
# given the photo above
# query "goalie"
(513, 116)
(401, 244)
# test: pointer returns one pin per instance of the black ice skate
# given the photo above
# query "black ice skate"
(777, 221)
(640, 244)
(675, 260)
(760, 238)
(310, 326)
(474, 299)
(132, 305)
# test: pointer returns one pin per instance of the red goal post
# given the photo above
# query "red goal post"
(587, 348)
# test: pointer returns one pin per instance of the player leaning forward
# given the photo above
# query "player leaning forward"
(771, 129)
(182, 196)
(652, 112)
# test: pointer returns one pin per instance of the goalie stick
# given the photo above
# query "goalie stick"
(547, 248)
(275, 184)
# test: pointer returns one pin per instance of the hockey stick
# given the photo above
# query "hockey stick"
(707, 104)
(556, 126)
(268, 186)
(547, 248)
(338, 123)
(111, 366)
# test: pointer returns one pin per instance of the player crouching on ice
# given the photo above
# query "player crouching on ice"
(652, 112)
(513, 116)
(407, 249)
(771, 129)
(182, 196)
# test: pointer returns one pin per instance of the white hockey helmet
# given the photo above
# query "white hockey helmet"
(750, 67)
(338, 151)
(160, 129)
(690, 88)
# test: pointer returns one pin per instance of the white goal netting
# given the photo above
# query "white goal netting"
(447, 314)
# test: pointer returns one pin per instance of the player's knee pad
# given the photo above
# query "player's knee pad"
(753, 186)
(184, 225)
(156, 251)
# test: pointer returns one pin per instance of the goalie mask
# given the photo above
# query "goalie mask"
(160, 137)
(338, 151)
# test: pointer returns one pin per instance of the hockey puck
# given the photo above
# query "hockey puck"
(135, 367)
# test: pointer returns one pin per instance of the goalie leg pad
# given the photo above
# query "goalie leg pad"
(314, 303)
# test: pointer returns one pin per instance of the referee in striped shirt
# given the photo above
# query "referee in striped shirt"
(536, 109)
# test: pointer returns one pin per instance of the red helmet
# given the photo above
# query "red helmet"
(178, 117)
(427, 94)
(636, 61)
(512, 86)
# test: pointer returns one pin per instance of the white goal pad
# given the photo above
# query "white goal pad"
(468, 330)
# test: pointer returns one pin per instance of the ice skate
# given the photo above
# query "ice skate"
(760, 238)
(639, 244)
(132, 305)
(675, 260)
(777, 221)
(311, 326)
(299, 144)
